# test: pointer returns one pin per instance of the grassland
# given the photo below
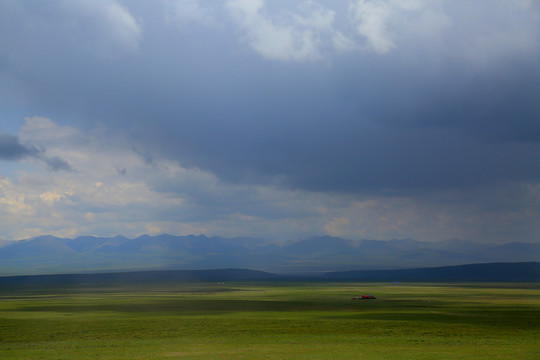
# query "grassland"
(272, 321)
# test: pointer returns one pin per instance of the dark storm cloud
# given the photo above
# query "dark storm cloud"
(418, 117)
(360, 126)
(499, 104)
(12, 150)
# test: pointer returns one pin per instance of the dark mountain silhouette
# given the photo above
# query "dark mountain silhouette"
(500, 272)
(49, 254)
(140, 277)
(514, 272)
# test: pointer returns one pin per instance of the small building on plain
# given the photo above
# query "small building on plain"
(364, 297)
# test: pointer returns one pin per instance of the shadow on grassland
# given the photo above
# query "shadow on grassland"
(186, 307)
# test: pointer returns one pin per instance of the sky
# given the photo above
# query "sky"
(282, 119)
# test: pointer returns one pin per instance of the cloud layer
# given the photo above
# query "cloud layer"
(364, 118)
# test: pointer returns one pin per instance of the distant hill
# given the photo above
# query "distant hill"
(49, 254)
(513, 272)
(139, 277)
(495, 272)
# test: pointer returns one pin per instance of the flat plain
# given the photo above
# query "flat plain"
(283, 320)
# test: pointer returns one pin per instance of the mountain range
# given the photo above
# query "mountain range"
(50, 255)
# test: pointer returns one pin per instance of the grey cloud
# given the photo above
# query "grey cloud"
(352, 129)
(12, 150)
(55, 163)
(428, 114)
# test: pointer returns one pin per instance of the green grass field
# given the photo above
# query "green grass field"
(272, 321)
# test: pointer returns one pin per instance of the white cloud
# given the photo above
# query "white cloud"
(60, 203)
(372, 18)
(44, 132)
(50, 198)
(289, 37)
(342, 43)
(317, 17)
(12, 202)
(301, 30)
(470, 32)
(382, 24)
(161, 196)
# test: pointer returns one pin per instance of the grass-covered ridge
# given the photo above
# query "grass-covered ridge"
(272, 321)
